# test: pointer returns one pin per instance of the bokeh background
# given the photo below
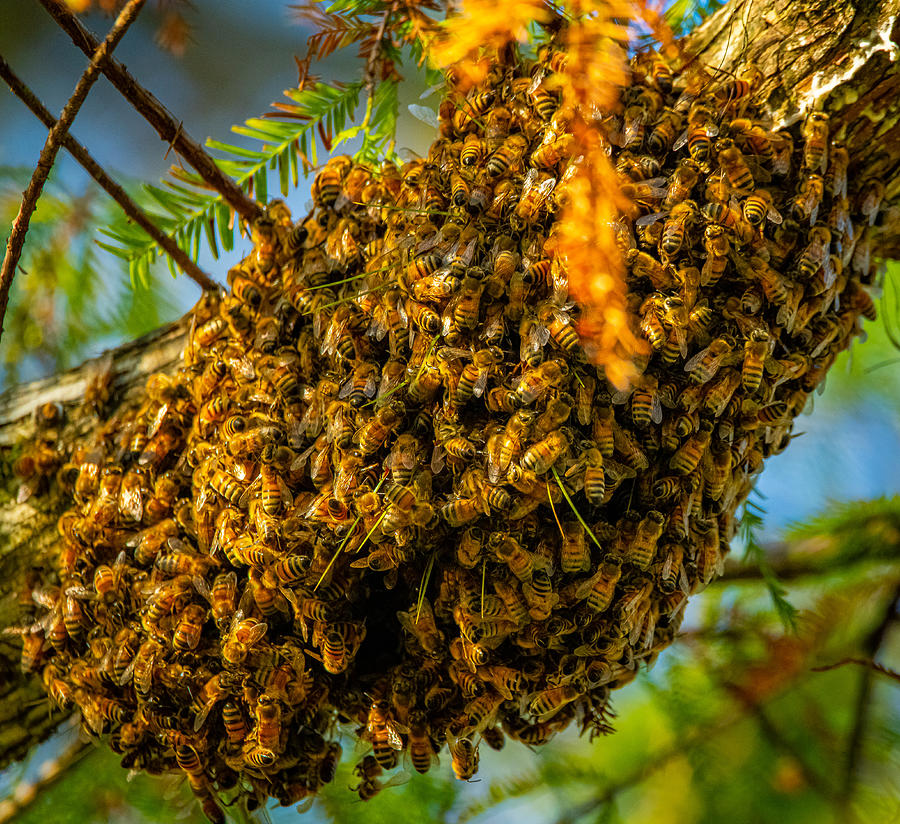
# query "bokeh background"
(732, 723)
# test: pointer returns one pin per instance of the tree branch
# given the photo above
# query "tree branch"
(113, 189)
(829, 55)
(862, 662)
(169, 129)
(51, 148)
(863, 705)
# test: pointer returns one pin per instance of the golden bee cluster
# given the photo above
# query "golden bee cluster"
(387, 491)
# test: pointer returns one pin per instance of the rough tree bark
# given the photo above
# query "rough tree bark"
(832, 55)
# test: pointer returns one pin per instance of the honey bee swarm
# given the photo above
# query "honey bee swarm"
(387, 491)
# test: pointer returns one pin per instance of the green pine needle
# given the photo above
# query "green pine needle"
(751, 522)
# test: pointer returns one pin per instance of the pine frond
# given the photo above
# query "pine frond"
(852, 531)
(751, 522)
(333, 30)
(186, 209)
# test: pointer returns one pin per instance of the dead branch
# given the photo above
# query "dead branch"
(113, 189)
(52, 146)
(170, 130)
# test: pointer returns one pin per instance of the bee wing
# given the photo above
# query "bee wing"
(656, 412)
(371, 387)
(202, 587)
(480, 383)
(548, 185)
(256, 633)
(538, 335)
(393, 732)
(346, 388)
(621, 396)
(399, 778)
(81, 592)
(529, 181)
(830, 273)
(437, 459)
(300, 461)
(203, 714)
(127, 672)
(423, 113)
(646, 220)
(158, 420)
(695, 361)
(27, 489)
(585, 587)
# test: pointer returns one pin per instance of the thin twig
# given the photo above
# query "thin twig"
(863, 662)
(52, 146)
(863, 706)
(789, 570)
(369, 75)
(170, 130)
(113, 189)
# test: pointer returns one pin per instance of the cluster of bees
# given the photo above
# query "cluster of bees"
(387, 492)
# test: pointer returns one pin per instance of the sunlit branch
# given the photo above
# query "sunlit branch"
(98, 53)
(113, 189)
(169, 129)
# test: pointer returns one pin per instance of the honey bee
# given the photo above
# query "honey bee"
(729, 217)
(691, 452)
(815, 255)
(382, 731)
(720, 391)
(758, 207)
(464, 758)
(421, 751)
(815, 142)
(507, 156)
(539, 457)
(558, 323)
(550, 701)
(328, 184)
(836, 176)
(535, 382)
(736, 170)
(643, 547)
(643, 265)
(243, 634)
(535, 197)
(753, 137)
(420, 623)
(756, 350)
(599, 589)
(706, 363)
(869, 199)
(472, 151)
(717, 251)
(809, 198)
(645, 403)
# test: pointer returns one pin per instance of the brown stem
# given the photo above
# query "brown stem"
(113, 189)
(862, 662)
(169, 129)
(51, 148)
(369, 77)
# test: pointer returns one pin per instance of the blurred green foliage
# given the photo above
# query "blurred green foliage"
(66, 298)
